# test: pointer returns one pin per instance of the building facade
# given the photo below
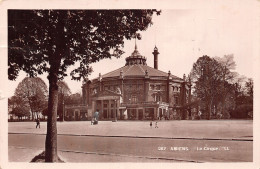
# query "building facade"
(137, 91)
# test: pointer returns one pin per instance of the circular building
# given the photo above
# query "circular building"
(137, 91)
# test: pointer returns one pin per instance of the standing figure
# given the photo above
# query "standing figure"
(38, 123)
(96, 116)
(199, 114)
(151, 124)
(156, 125)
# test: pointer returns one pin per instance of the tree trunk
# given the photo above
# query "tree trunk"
(32, 115)
(208, 106)
(51, 137)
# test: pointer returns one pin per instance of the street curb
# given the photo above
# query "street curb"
(170, 138)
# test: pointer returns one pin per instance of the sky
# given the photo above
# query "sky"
(185, 34)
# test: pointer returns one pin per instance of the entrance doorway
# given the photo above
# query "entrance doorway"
(140, 114)
(149, 113)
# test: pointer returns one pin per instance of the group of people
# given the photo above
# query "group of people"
(156, 124)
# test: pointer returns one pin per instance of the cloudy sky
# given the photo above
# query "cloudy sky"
(182, 35)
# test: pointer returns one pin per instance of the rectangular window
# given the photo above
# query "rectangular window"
(134, 99)
(158, 98)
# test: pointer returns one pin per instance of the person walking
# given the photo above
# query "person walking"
(38, 123)
(151, 124)
(156, 125)
(94, 118)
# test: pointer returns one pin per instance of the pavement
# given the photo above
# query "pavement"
(236, 135)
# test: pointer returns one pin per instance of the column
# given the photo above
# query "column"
(170, 94)
(158, 113)
(117, 106)
(109, 109)
(137, 114)
(115, 113)
(155, 112)
(101, 111)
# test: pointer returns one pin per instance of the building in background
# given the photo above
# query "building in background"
(135, 91)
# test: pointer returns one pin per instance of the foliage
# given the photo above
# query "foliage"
(21, 111)
(63, 91)
(45, 112)
(250, 87)
(14, 102)
(63, 88)
(52, 40)
(38, 38)
(205, 75)
(33, 92)
(220, 88)
(74, 99)
(242, 111)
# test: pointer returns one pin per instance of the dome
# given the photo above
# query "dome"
(135, 58)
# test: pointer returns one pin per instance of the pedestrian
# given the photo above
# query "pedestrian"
(199, 114)
(156, 125)
(151, 124)
(96, 116)
(38, 123)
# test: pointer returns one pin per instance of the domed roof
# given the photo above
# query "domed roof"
(135, 58)
(135, 53)
(138, 70)
(136, 67)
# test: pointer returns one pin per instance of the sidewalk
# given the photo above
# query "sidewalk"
(184, 130)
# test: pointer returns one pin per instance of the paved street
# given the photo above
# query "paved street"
(173, 141)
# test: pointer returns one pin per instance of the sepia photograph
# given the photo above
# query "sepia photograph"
(164, 84)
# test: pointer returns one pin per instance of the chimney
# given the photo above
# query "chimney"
(155, 54)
